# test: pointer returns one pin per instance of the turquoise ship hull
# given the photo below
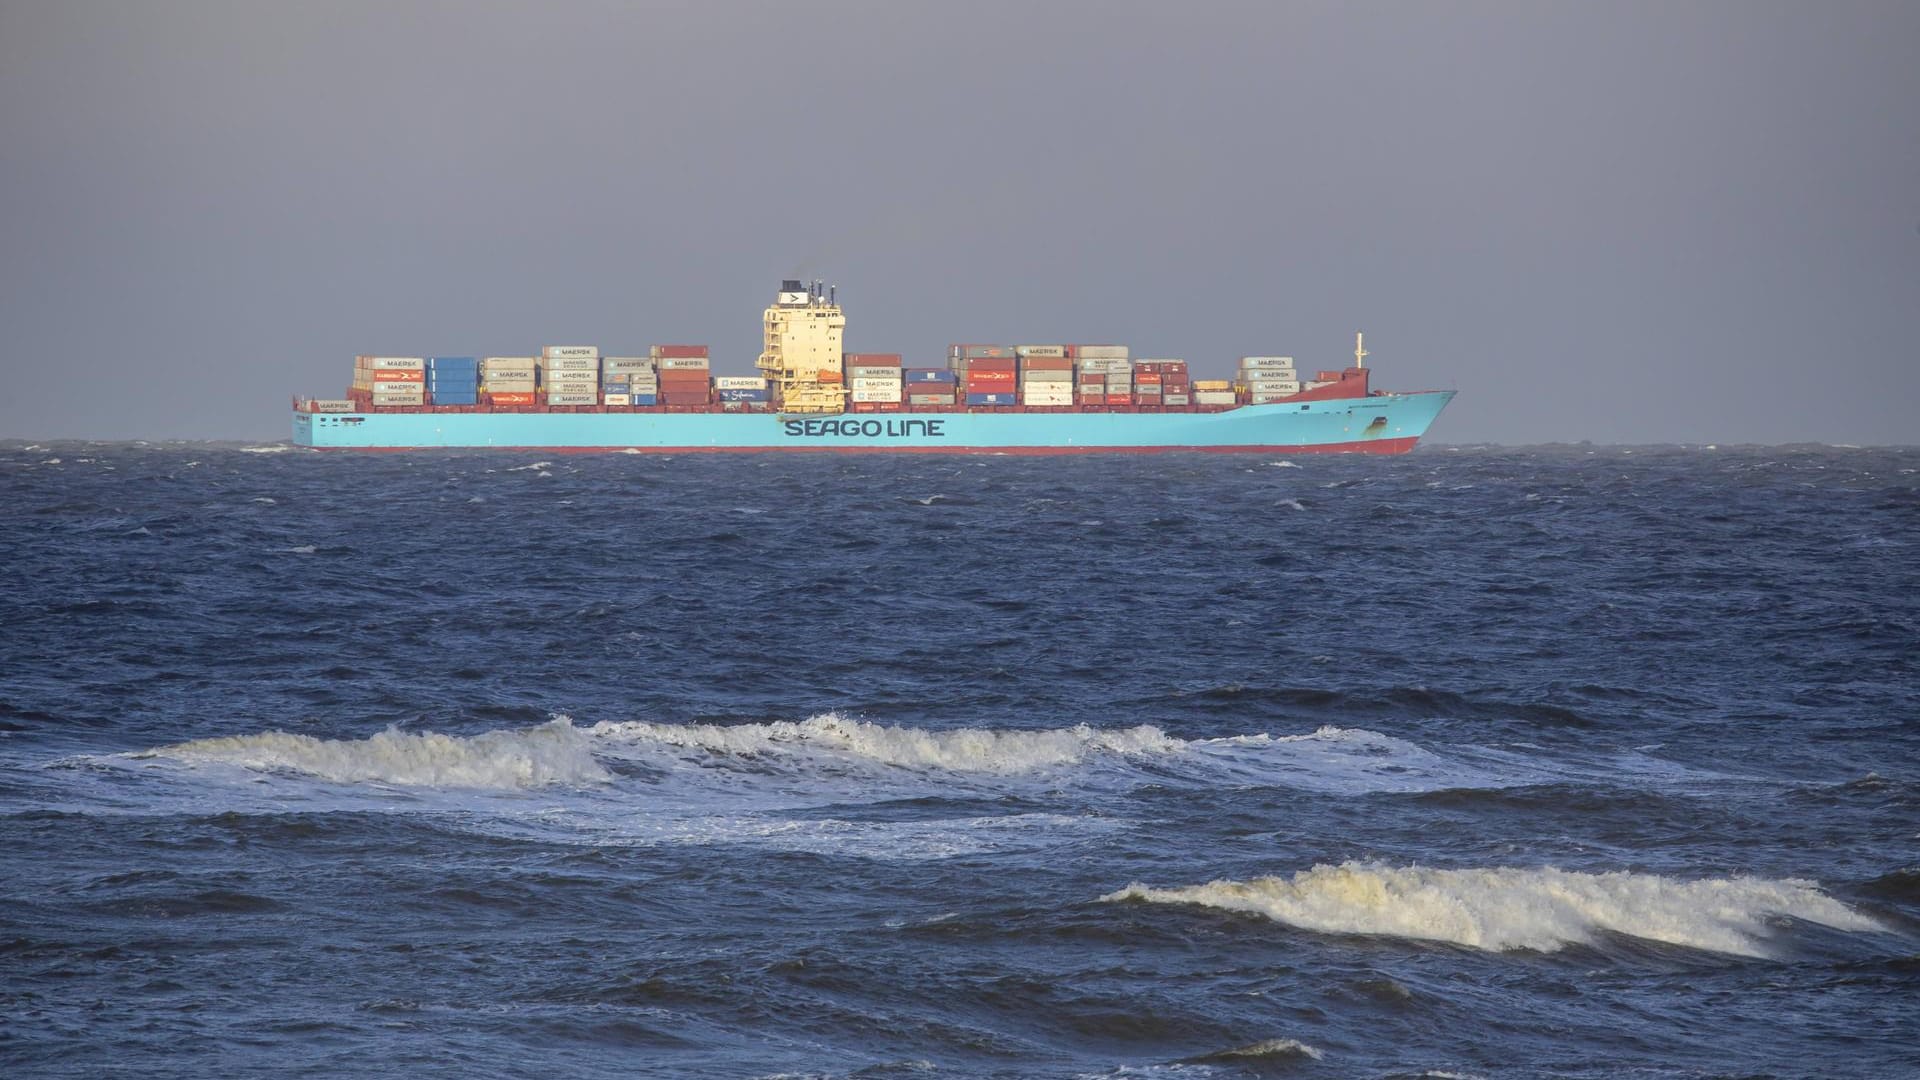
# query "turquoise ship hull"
(1381, 423)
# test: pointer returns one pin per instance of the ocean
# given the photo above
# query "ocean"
(1570, 761)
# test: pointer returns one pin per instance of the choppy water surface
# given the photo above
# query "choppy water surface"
(1576, 762)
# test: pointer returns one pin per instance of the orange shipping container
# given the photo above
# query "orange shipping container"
(399, 376)
(511, 399)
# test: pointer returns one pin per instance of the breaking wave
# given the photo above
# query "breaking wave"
(553, 753)
(981, 750)
(1505, 909)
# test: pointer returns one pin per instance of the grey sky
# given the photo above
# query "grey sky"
(1612, 221)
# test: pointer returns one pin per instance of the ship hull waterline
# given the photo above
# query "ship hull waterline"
(1378, 424)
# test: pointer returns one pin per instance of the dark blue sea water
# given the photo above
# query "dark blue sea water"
(1558, 762)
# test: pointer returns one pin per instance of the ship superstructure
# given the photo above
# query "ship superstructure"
(801, 356)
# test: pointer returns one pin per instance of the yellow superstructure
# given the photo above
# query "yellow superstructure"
(801, 355)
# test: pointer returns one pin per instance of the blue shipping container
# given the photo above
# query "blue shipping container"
(991, 399)
(453, 363)
(929, 375)
(443, 397)
(645, 399)
(742, 395)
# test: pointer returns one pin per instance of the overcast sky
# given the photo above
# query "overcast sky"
(1622, 222)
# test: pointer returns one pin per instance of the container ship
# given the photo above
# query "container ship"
(808, 393)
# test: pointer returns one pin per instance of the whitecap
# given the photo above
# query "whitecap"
(303, 549)
(1504, 909)
(1291, 504)
(275, 449)
(965, 750)
(553, 753)
(535, 467)
(265, 500)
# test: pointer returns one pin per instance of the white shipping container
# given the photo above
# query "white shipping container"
(1046, 376)
(570, 363)
(877, 395)
(1158, 360)
(1249, 363)
(508, 385)
(1176, 399)
(1213, 397)
(869, 382)
(1040, 350)
(555, 352)
(616, 399)
(508, 361)
(572, 399)
(331, 405)
(1101, 352)
(1097, 365)
(874, 371)
(684, 363)
(622, 363)
(1274, 386)
(1051, 397)
(417, 398)
(739, 382)
(397, 363)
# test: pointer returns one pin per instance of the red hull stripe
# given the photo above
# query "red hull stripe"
(1366, 446)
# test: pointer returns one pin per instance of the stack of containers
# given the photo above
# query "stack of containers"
(1162, 382)
(570, 375)
(1046, 376)
(1268, 378)
(509, 381)
(742, 393)
(990, 373)
(628, 381)
(685, 375)
(1109, 364)
(453, 380)
(1213, 392)
(874, 381)
(391, 381)
(929, 387)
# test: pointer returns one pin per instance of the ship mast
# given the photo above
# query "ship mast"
(1359, 352)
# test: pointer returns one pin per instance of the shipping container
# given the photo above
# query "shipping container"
(869, 382)
(1212, 384)
(684, 363)
(616, 399)
(1213, 397)
(871, 359)
(991, 363)
(876, 395)
(679, 351)
(1107, 366)
(628, 364)
(329, 405)
(1100, 352)
(969, 352)
(874, 372)
(739, 382)
(991, 378)
(929, 399)
(992, 399)
(1254, 363)
(643, 399)
(1046, 376)
(930, 375)
(1048, 397)
(1176, 399)
(742, 395)
(1273, 386)
(1025, 351)
(577, 352)
(511, 398)
(1046, 363)
(690, 397)
(573, 398)
(388, 375)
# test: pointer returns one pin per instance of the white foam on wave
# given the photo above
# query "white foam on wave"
(275, 449)
(967, 750)
(1512, 908)
(535, 467)
(552, 753)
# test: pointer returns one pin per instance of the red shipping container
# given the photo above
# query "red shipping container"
(1146, 378)
(669, 397)
(870, 359)
(383, 375)
(1093, 399)
(1046, 363)
(525, 398)
(992, 363)
(994, 378)
(1119, 399)
(671, 352)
